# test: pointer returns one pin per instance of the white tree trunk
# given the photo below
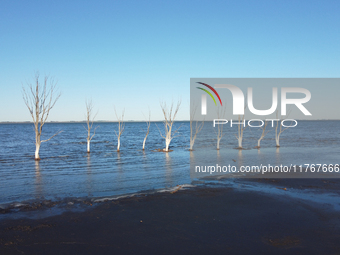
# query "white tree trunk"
(118, 145)
(167, 143)
(37, 148)
(191, 144)
(88, 146)
(218, 143)
(144, 142)
(120, 131)
(278, 141)
(240, 129)
(240, 142)
(258, 143)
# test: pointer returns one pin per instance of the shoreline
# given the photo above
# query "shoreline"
(188, 221)
(36, 208)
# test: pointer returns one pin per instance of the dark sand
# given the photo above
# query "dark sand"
(195, 221)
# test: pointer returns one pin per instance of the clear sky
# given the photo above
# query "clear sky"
(134, 54)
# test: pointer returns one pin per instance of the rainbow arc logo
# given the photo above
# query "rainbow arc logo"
(209, 93)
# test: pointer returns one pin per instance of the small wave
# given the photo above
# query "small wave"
(172, 189)
(70, 202)
(16, 205)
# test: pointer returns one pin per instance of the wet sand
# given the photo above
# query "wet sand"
(195, 221)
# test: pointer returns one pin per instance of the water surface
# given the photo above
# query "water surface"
(66, 170)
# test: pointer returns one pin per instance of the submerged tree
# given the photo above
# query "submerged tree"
(279, 132)
(169, 118)
(262, 135)
(240, 130)
(219, 133)
(147, 131)
(194, 129)
(89, 122)
(121, 126)
(40, 99)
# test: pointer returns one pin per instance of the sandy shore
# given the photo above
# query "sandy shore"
(195, 221)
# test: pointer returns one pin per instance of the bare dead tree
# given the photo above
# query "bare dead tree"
(89, 122)
(198, 127)
(264, 132)
(40, 99)
(240, 130)
(219, 133)
(148, 122)
(121, 127)
(279, 132)
(169, 118)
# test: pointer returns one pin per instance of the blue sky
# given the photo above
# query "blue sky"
(134, 54)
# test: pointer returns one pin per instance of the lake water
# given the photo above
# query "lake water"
(66, 170)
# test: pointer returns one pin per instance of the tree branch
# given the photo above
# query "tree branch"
(52, 136)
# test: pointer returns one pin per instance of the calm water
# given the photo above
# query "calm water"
(66, 170)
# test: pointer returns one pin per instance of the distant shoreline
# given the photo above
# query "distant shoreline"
(83, 121)
(133, 121)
